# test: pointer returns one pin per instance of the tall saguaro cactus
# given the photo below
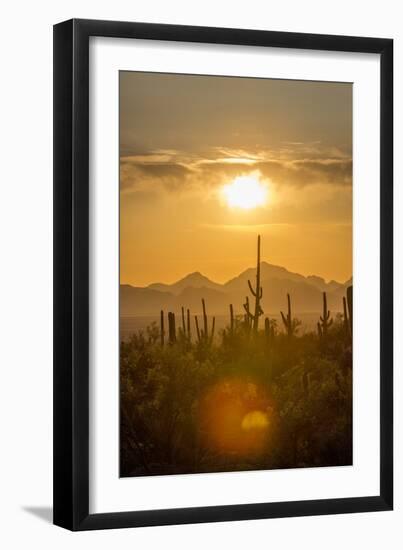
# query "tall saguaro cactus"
(325, 320)
(257, 292)
(290, 324)
(203, 335)
(171, 327)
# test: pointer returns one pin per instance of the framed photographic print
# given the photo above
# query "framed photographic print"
(223, 320)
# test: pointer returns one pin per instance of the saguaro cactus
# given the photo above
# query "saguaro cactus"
(171, 327)
(197, 329)
(231, 312)
(162, 331)
(205, 322)
(257, 292)
(248, 317)
(212, 332)
(350, 307)
(290, 324)
(203, 335)
(184, 330)
(183, 321)
(348, 313)
(325, 321)
(189, 335)
(346, 322)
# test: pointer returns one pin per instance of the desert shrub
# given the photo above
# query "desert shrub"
(306, 405)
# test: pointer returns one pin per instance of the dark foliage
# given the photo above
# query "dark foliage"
(237, 400)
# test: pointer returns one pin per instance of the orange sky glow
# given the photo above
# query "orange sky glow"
(208, 163)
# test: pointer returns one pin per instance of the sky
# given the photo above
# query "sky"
(207, 163)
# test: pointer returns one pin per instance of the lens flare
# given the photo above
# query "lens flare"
(234, 418)
(255, 420)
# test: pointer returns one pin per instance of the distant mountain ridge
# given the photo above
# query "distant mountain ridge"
(277, 281)
(193, 280)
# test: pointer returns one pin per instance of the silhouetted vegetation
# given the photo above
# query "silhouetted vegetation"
(242, 399)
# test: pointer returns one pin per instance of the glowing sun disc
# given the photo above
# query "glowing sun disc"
(245, 192)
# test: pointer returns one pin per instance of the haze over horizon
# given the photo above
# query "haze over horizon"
(203, 275)
(207, 163)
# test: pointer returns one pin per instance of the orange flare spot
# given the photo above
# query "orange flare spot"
(234, 418)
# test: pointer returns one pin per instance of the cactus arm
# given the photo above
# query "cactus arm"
(284, 319)
(248, 313)
(246, 308)
(256, 292)
(289, 323)
(251, 288)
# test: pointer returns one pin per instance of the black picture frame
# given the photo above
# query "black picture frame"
(71, 274)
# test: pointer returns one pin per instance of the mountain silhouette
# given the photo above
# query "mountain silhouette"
(269, 271)
(193, 280)
(277, 281)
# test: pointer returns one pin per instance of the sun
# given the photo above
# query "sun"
(245, 192)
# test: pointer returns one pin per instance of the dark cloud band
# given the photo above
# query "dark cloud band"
(178, 173)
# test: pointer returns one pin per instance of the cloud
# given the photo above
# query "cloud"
(141, 176)
(308, 171)
(172, 170)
